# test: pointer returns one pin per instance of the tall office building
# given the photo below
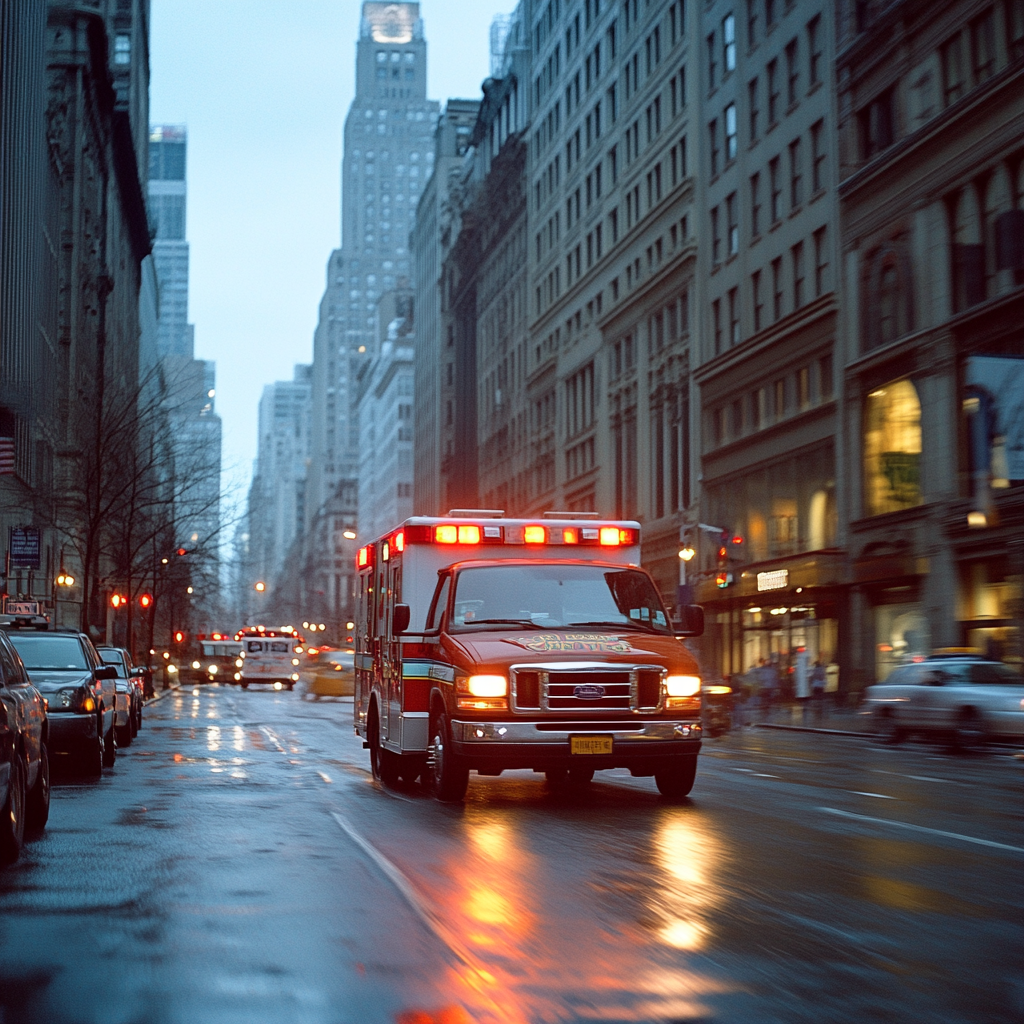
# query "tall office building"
(189, 384)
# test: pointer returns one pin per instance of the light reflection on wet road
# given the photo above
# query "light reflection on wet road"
(239, 864)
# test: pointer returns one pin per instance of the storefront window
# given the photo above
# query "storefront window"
(892, 449)
(901, 635)
(989, 612)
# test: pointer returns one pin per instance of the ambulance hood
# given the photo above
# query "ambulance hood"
(493, 650)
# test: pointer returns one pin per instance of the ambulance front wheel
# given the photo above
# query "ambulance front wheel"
(445, 774)
(676, 779)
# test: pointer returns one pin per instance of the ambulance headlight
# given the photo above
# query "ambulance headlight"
(682, 686)
(487, 686)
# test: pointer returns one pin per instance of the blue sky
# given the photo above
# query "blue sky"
(263, 86)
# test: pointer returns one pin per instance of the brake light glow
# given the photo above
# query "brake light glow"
(610, 536)
(570, 535)
(446, 534)
(535, 535)
(400, 541)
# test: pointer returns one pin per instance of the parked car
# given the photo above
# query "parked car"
(333, 675)
(80, 689)
(129, 693)
(24, 759)
(962, 698)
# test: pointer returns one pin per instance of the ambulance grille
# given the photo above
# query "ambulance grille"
(588, 691)
(527, 690)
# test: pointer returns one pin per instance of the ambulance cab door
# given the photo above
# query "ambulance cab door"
(393, 661)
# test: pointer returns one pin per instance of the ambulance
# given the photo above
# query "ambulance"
(487, 644)
(269, 656)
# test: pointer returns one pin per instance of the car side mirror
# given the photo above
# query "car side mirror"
(106, 672)
(690, 621)
(400, 618)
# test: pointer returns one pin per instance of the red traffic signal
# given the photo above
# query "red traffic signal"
(117, 601)
(145, 600)
(182, 551)
(179, 636)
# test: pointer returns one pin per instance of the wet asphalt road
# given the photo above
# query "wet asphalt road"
(239, 864)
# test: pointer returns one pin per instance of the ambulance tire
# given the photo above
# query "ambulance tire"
(383, 763)
(676, 779)
(446, 776)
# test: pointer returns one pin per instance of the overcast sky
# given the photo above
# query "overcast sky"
(263, 86)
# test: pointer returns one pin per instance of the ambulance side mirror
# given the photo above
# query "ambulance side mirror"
(400, 618)
(690, 621)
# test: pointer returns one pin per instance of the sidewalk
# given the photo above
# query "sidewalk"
(843, 722)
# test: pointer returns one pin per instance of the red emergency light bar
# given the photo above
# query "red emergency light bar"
(490, 533)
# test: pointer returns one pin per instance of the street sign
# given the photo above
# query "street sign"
(24, 547)
(21, 607)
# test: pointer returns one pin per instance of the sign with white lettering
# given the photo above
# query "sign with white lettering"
(21, 607)
(25, 546)
(776, 579)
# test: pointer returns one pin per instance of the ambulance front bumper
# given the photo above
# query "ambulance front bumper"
(634, 744)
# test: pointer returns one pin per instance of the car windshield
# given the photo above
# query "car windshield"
(557, 596)
(112, 657)
(57, 653)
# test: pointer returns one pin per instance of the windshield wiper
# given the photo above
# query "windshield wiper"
(629, 624)
(506, 622)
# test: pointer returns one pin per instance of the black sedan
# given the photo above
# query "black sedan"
(81, 694)
(24, 759)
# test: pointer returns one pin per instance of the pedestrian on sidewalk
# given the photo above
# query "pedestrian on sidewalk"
(818, 690)
(802, 684)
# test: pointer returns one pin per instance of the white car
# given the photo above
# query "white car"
(961, 698)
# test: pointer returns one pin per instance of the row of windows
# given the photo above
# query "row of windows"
(768, 290)
(725, 216)
(768, 404)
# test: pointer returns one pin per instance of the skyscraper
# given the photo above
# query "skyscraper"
(388, 157)
(189, 384)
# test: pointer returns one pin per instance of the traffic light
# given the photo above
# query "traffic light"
(179, 636)
(182, 551)
(118, 601)
(145, 601)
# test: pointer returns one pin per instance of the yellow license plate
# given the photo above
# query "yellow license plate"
(590, 744)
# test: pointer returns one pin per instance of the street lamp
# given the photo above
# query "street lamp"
(349, 535)
(65, 580)
(260, 587)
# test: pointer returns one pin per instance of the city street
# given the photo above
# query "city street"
(239, 864)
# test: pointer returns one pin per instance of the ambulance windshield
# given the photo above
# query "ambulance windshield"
(556, 596)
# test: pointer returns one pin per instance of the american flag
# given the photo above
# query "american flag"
(6, 455)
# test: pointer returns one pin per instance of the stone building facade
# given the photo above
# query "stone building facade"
(931, 101)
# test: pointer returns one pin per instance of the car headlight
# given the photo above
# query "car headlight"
(212, 670)
(682, 686)
(487, 686)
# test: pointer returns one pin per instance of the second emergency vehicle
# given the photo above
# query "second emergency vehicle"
(485, 643)
(270, 656)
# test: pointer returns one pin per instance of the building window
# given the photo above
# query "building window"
(887, 315)
(952, 53)
(797, 253)
(773, 92)
(795, 175)
(777, 288)
(820, 262)
(776, 189)
(876, 125)
(752, 92)
(716, 237)
(1015, 31)
(728, 44)
(122, 50)
(758, 299)
(780, 399)
(770, 12)
(712, 66)
(792, 71)
(892, 448)
(818, 156)
(983, 46)
(730, 132)
(752, 6)
(803, 388)
(755, 205)
(814, 49)
(716, 316)
(734, 316)
(732, 222)
(713, 145)
(826, 384)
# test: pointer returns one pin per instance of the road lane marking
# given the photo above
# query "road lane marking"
(764, 775)
(877, 796)
(325, 777)
(922, 828)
